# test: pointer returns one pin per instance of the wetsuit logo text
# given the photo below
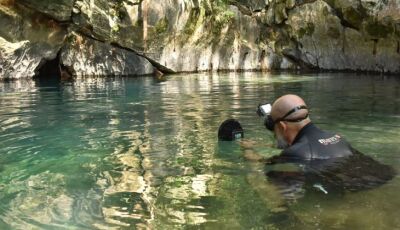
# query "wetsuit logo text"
(330, 141)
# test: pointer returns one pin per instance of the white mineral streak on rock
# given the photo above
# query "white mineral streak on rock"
(21, 59)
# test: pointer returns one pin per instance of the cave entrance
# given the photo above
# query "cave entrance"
(49, 72)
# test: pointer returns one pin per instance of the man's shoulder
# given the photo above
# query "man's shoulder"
(301, 150)
(315, 143)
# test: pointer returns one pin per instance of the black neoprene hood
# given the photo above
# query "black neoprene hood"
(230, 130)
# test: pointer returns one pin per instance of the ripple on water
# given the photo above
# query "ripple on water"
(123, 153)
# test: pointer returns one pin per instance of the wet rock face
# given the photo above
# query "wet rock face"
(250, 35)
(115, 21)
(84, 56)
(59, 10)
(21, 59)
(337, 35)
(201, 35)
(26, 42)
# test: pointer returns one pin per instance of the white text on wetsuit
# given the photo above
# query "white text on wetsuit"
(330, 141)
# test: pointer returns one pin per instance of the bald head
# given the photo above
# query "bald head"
(286, 130)
(286, 103)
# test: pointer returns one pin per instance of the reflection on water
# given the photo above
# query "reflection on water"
(123, 153)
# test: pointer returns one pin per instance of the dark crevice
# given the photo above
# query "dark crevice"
(157, 65)
(49, 69)
(337, 11)
(53, 70)
(398, 47)
(89, 35)
(303, 2)
(293, 56)
(243, 9)
(262, 56)
(343, 21)
(375, 49)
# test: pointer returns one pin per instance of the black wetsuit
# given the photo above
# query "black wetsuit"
(314, 143)
(327, 160)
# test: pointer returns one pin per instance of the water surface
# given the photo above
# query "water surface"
(137, 153)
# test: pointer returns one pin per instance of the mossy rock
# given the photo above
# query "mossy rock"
(158, 33)
(354, 17)
(161, 26)
(10, 23)
(191, 23)
(59, 10)
(307, 30)
(326, 11)
(222, 20)
(280, 13)
(377, 29)
(397, 28)
(333, 32)
(290, 4)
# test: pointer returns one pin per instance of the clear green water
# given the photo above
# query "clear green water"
(134, 153)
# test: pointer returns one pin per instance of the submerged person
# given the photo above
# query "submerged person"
(326, 161)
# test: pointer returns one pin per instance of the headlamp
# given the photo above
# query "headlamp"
(265, 111)
(269, 123)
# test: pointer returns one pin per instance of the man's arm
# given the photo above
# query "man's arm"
(250, 155)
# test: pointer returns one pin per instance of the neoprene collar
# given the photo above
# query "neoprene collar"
(303, 131)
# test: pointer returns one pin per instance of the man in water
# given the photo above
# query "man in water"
(299, 138)
(326, 162)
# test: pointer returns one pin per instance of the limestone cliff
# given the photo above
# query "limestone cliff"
(137, 37)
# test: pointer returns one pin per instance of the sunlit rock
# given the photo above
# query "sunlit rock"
(85, 56)
(205, 35)
(22, 59)
(115, 21)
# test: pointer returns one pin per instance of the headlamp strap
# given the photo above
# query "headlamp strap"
(295, 109)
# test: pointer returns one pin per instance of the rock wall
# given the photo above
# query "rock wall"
(137, 37)
(27, 40)
(85, 56)
(346, 36)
